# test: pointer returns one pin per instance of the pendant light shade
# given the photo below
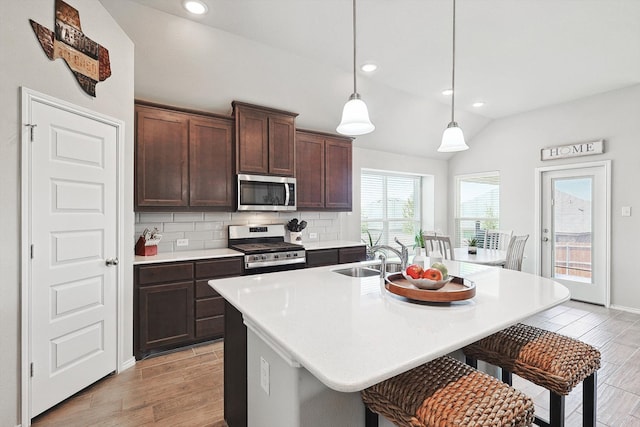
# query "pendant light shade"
(453, 138)
(355, 115)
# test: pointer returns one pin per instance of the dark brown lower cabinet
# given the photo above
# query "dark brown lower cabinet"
(165, 314)
(321, 257)
(209, 311)
(175, 306)
(354, 254)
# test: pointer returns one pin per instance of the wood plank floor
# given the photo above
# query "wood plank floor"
(185, 388)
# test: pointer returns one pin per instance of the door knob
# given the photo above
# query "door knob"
(111, 261)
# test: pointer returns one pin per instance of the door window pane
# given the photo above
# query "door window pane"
(572, 229)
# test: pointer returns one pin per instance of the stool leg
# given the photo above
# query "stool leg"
(471, 361)
(589, 400)
(556, 411)
(507, 378)
(370, 417)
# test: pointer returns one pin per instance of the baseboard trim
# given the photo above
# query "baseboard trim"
(129, 363)
(623, 308)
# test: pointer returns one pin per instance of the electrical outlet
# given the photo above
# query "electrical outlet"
(626, 211)
(264, 375)
(313, 235)
(182, 242)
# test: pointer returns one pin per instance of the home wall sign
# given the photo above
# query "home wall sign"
(572, 150)
(88, 60)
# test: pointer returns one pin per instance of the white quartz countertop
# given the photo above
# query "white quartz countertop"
(186, 256)
(224, 252)
(330, 244)
(351, 333)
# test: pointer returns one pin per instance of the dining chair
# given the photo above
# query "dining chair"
(442, 243)
(481, 237)
(497, 239)
(515, 252)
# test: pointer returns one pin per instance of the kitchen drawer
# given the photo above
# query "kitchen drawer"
(354, 254)
(203, 290)
(210, 327)
(223, 267)
(164, 273)
(320, 257)
(209, 307)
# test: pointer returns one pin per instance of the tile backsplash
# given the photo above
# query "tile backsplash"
(208, 230)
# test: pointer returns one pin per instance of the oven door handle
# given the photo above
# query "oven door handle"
(286, 194)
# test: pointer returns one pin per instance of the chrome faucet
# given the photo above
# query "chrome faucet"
(403, 253)
(383, 264)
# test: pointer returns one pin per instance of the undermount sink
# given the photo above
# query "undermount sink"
(358, 272)
(391, 267)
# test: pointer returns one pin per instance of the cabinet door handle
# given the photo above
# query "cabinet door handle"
(111, 262)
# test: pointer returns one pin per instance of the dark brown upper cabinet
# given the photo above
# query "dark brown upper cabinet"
(211, 177)
(265, 140)
(162, 149)
(184, 161)
(323, 171)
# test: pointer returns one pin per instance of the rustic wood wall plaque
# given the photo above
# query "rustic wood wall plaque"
(88, 61)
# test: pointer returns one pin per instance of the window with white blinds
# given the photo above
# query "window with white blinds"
(477, 205)
(390, 207)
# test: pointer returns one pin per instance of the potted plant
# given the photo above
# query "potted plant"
(370, 244)
(472, 246)
(419, 246)
(419, 240)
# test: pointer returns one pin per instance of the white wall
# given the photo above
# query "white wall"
(512, 146)
(23, 63)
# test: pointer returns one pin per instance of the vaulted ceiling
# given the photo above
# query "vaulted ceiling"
(515, 56)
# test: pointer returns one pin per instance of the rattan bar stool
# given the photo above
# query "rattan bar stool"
(446, 392)
(550, 360)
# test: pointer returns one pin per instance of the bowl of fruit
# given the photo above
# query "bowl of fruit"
(432, 278)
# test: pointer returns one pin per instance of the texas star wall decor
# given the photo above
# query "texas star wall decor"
(88, 60)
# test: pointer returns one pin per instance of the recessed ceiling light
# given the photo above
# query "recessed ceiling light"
(195, 6)
(369, 67)
(478, 104)
(447, 92)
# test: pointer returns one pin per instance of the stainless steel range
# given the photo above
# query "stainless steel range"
(264, 248)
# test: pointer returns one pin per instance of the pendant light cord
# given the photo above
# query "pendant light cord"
(453, 68)
(355, 91)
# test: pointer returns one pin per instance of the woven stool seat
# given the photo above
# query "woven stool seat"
(550, 360)
(446, 392)
(553, 361)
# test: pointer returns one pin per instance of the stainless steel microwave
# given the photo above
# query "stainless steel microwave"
(266, 193)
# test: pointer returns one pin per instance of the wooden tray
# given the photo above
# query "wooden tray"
(456, 290)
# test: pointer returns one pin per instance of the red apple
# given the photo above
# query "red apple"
(414, 271)
(432, 274)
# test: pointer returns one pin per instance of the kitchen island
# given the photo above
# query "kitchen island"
(315, 337)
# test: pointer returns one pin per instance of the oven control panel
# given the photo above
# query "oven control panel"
(274, 258)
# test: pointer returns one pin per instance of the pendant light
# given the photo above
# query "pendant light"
(453, 138)
(355, 115)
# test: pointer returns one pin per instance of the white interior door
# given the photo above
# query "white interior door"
(73, 232)
(574, 234)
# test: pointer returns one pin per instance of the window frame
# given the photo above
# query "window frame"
(385, 220)
(457, 205)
